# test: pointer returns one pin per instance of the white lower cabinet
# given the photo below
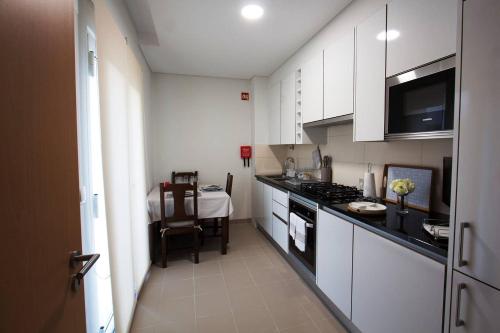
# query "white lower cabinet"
(475, 306)
(267, 220)
(334, 259)
(394, 289)
(257, 201)
(280, 232)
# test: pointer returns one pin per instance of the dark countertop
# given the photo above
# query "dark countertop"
(405, 230)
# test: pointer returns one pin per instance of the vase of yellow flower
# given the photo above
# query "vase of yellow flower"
(402, 187)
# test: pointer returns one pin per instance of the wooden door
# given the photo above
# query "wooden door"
(39, 206)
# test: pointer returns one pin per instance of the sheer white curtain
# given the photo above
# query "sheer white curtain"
(121, 84)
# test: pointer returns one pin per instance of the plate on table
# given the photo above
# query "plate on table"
(211, 188)
(367, 208)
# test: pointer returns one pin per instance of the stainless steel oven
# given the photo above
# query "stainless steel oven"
(306, 210)
(419, 103)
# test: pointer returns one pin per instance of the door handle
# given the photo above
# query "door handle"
(459, 322)
(461, 261)
(95, 205)
(77, 257)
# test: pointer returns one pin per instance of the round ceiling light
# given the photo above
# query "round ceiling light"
(252, 12)
(390, 35)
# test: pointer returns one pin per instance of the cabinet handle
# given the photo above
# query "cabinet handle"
(461, 261)
(459, 322)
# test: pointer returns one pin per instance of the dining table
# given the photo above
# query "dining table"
(211, 205)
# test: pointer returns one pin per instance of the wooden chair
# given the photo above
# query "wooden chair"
(179, 223)
(187, 177)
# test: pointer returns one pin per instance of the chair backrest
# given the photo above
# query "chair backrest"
(179, 196)
(229, 183)
(184, 177)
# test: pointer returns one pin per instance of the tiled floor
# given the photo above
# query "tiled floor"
(252, 289)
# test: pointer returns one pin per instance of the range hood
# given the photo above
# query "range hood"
(340, 120)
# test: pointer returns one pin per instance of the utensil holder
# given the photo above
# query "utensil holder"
(326, 174)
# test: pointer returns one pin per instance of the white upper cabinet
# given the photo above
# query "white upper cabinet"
(288, 110)
(419, 32)
(338, 77)
(369, 112)
(275, 114)
(312, 89)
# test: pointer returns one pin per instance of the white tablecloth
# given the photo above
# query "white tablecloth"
(210, 205)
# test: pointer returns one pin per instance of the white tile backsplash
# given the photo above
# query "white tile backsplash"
(350, 159)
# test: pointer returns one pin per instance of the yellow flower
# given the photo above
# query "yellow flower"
(402, 186)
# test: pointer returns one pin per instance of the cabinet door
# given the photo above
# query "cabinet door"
(394, 289)
(312, 89)
(334, 260)
(257, 201)
(339, 77)
(280, 233)
(475, 306)
(478, 183)
(267, 221)
(288, 110)
(419, 32)
(275, 114)
(369, 111)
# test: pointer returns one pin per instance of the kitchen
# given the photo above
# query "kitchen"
(251, 166)
(386, 273)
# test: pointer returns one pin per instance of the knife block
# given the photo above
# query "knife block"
(326, 174)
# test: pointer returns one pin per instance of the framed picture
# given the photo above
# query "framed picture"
(422, 177)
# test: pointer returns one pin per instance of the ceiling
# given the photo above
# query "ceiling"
(210, 38)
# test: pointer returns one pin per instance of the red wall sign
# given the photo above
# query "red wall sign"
(245, 96)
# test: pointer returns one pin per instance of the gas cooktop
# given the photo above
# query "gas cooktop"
(333, 193)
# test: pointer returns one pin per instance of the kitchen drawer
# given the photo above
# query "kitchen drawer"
(280, 210)
(281, 197)
(280, 233)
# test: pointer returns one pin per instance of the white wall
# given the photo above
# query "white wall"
(199, 123)
(124, 93)
(350, 159)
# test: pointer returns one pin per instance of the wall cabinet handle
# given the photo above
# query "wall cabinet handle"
(459, 322)
(461, 261)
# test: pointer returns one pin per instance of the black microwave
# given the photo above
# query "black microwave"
(420, 103)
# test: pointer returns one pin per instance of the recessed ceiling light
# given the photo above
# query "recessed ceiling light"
(252, 12)
(391, 35)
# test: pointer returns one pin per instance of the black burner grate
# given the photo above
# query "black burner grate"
(332, 192)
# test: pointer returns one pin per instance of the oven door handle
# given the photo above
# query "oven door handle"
(305, 218)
